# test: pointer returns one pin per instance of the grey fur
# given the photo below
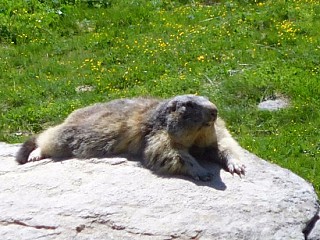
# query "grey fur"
(169, 135)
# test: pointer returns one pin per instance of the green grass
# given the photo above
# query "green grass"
(237, 53)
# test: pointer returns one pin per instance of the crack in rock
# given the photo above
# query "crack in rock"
(310, 225)
(111, 224)
(198, 235)
(184, 235)
(4, 172)
(17, 222)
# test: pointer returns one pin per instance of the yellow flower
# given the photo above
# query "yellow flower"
(200, 58)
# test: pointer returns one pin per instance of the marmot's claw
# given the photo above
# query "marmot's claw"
(241, 170)
(234, 167)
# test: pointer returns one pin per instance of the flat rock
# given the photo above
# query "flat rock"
(118, 199)
(273, 105)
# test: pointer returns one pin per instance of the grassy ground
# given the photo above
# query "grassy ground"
(237, 53)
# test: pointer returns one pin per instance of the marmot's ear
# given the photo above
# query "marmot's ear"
(172, 106)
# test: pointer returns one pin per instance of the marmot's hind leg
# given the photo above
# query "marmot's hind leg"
(50, 143)
(36, 155)
(55, 143)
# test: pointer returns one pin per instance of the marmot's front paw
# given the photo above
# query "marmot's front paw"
(235, 167)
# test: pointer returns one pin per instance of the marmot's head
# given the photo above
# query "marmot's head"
(187, 114)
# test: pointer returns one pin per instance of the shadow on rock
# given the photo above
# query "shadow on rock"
(215, 182)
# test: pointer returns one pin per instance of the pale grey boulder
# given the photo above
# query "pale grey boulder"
(118, 199)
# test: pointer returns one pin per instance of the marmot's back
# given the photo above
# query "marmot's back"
(114, 111)
(110, 129)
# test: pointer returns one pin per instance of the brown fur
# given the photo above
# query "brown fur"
(170, 136)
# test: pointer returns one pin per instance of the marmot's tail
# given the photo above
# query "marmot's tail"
(25, 150)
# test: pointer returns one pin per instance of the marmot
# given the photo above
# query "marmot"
(170, 136)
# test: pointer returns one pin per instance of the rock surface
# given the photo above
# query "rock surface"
(118, 199)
